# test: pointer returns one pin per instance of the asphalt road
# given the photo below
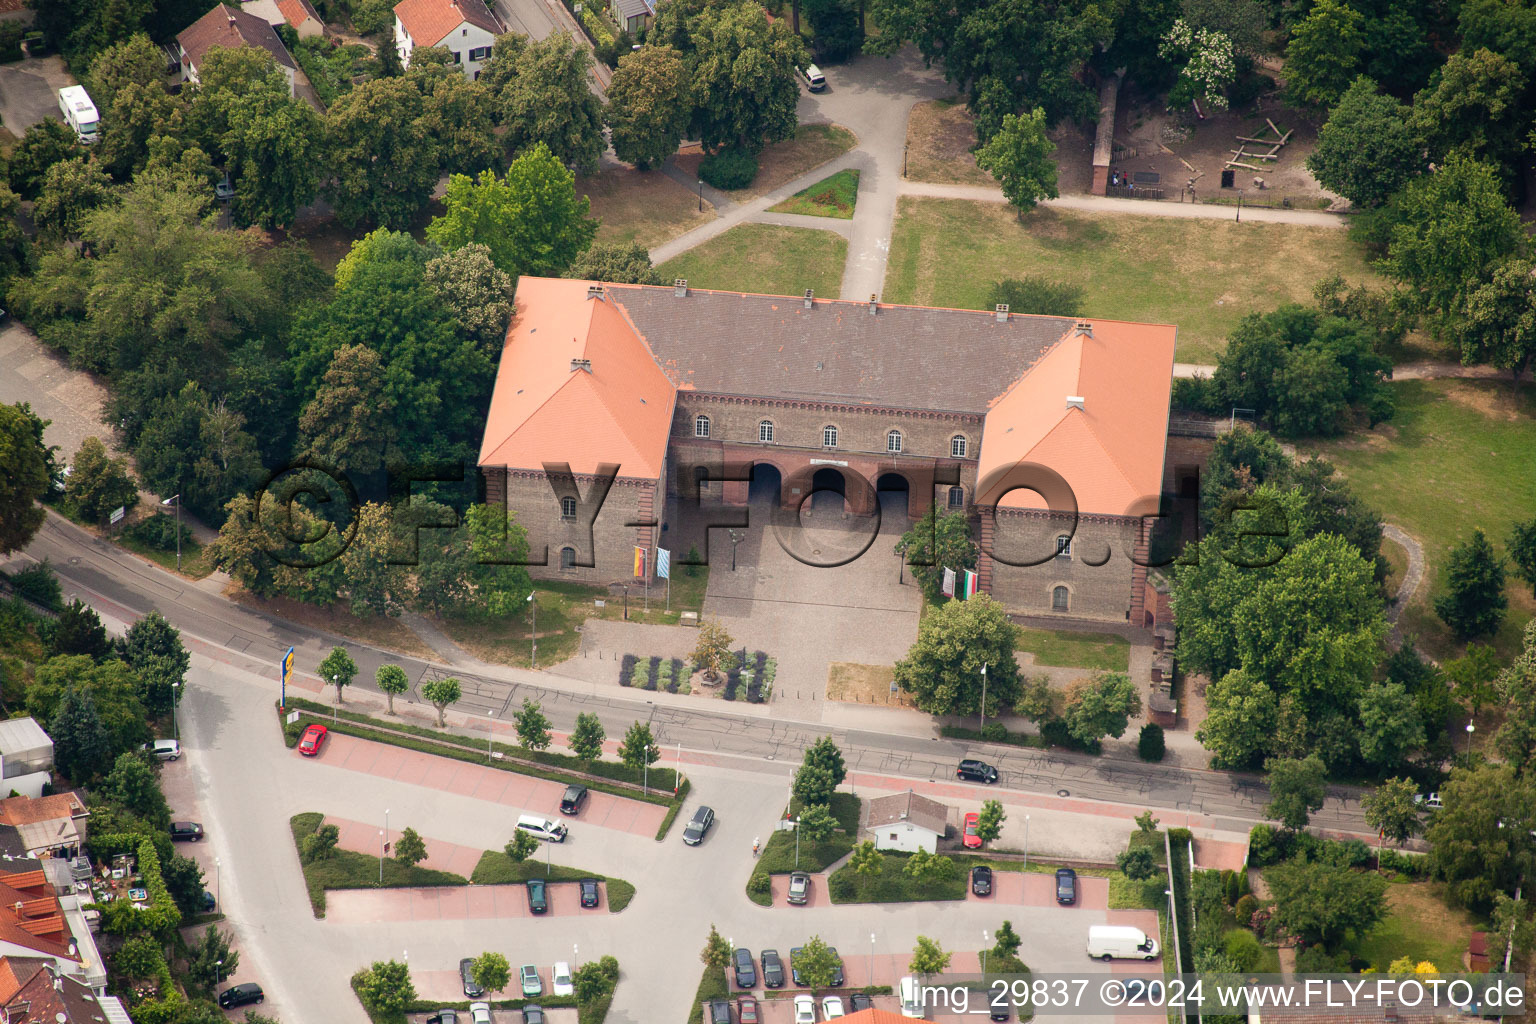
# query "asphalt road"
(125, 586)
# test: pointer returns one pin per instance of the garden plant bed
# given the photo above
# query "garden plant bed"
(348, 869)
(752, 683)
(834, 196)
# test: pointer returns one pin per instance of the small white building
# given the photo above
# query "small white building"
(232, 29)
(906, 822)
(465, 28)
(26, 757)
(299, 14)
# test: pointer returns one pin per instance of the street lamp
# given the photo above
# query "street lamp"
(383, 842)
(737, 537)
(175, 700)
(176, 498)
(218, 973)
(533, 633)
(336, 682)
(1239, 205)
(797, 844)
(218, 894)
(871, 959)
(575, 956)
(1026, 842)
(1470, 730)
(701, 195)
(982, 723)
(985, 939)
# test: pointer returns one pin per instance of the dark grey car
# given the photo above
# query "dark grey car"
(698, 826)
(773, 969)
(472, 988)
(746, 974)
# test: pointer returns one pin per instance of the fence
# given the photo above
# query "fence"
(1133, 192)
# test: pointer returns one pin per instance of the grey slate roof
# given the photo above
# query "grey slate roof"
(634, 8)
(906, 357)
(909, 807)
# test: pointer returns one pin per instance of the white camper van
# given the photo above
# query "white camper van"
(1111, 941)
(80, 113)
(910, 991)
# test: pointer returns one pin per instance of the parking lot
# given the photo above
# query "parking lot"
(29, 91)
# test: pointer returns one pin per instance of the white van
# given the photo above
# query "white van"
(910, 991)
(541, 828)
(1109, 941)
(80, 113)
(814, 79)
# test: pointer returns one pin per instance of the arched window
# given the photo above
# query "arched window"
(893, 441)
(567, 508)
(765, 431)
(1064, 546)
(567, 558)
(829, 436)
(957, 446)
(1059, 599)
(701, 426)
(957, 497)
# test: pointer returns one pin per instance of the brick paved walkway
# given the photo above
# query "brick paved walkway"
(449, 903)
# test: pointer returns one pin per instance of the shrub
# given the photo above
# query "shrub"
(38, 584)
(1196, 394)
(728, 169)
(1150, 745)
(627, 670)
(1242, 948)
(1180, 835)
(1268, 845)
(1410, 864)
(652, 671)
(994, 732)
(158, 532)
(292, 731)
(842, 887)
(760, 885)
(677, 675)
(1246, 905)
(1230, 887)
(1317, 960)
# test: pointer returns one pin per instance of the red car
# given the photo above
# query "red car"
(971, 840)
(314, 737)
(746, 1011)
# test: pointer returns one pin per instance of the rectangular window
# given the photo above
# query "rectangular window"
(457, 57)
(480, 53)
(1064, 547)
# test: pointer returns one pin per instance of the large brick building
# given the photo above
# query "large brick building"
(1051, 434)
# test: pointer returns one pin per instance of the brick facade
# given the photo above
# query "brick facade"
(1097, 574)
(602, 553)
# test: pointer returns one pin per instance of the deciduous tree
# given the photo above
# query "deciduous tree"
(586, 739)
(1297, 787)
(70, 190)
(520, 847)
(1321, 902)
(1499, 322)
(1522, 551)
(1136, 863)
(392, 681)
(648, 106)
(639, 747)
(386, 987)
(817, 964)
(866, 860)
(132, 783)
(938, 540)
(1516, 687)
(928, 957)
(1390, 725)
(98, 483)
(1101, 706)
(1393, 810)
(616, 262)
(384, 157)
(349, 423)
(410, 849)
(23, 479)
(1469, 849)
(1474, 107)
(989, 824)
(338, 669)
(712, 651)
(741, 70)
(816, 823)
(716, 952)
(943, 669)
(440, 693)
(1366, 151)
(1018, 155)
(532, 726)
(477, 291)
(41, 146)
(549, 100)
(1324, 54)
(491, 971)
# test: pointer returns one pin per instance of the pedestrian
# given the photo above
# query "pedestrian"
(755, 844)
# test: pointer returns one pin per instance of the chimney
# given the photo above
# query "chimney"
(1002, 312)
(874, 305)
(680, 287)
(810, 295)
(1084, 327)
(594, 291)
(1075, 402)
(581, 364)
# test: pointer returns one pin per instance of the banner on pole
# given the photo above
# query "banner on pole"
(663, 563)
(948, 588)
(287, 669)
(639, 562)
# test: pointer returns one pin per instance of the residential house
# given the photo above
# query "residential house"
(48, 826)
(906, 822)
(465, 28)
(300, 15)
(34, 922)
(34, 991)
(232, 29)
(26, 757)
(632, 15)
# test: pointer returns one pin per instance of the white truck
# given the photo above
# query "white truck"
(1111, 941)
(80, 113)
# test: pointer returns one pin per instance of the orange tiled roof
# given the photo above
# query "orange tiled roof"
(296, 12)
(1110, 451)
(30, 916)
(873, 1016)
(430, 21)
(232, 29)
(24, 810)
(544, 411)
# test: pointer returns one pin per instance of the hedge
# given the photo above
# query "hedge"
(349, 869)
(728, 169)
(496, 868)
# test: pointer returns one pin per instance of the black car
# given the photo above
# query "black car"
(533, 1015)
(1066, 886)
(538, 900)
(1000, 1010)
(976, 771)
(981, 880)
(859, 1001)
(746, 974)
(209, 903)
(444, 1017)
(241, 995)
(190, 831)
(575, 796)
(773, 969)
(698, 825)
(472, 988)
(591, 895)
(719, 1012)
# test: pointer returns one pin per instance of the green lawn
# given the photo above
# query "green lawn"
(766, 259)
(348, 869)
(830, 197)
(496, 868)
(1068, 649)
(1458, 455)
(1419, 926)
(1201, 275)
(892, 885)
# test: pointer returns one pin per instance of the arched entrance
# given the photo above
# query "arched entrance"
(824, 483)
(895, 495)
(767, 485)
